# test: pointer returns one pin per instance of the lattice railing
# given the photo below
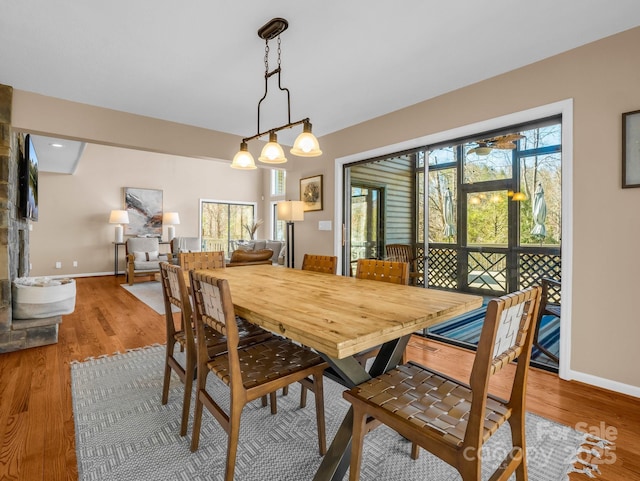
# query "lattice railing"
(443, 267)
(487, 271)
(535, 266)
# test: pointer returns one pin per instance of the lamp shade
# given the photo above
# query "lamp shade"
(291, 210)
(243, 160)
(171, 218)
(272, 152)
(119, 217)
(306, 144)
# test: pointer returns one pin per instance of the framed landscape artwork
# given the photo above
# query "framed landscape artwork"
(145, 212)
(311, 193)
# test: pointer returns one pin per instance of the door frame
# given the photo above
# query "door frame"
(381, 188)
(564, 108)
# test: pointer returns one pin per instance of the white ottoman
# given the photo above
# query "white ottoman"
(40, 297)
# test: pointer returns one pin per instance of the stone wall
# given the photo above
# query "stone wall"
(14, 241)
(6, 207)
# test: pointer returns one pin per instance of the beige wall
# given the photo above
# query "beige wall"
(603, 78)
(74, 209)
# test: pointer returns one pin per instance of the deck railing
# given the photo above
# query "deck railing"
(485, 270)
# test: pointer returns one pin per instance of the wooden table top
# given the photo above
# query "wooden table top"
(336, 315)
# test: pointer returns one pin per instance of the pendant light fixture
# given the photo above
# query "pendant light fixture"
(306, 144)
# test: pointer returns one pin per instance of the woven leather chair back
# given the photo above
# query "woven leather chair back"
(201, 260)
(317, 263)
(399, 253)
(510, 319)
(175, 293)
(386, 271)
(213, 305)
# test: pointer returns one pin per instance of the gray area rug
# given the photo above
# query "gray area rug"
(150, 293)
(123, 432)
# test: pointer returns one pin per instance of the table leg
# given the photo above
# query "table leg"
(335, 463)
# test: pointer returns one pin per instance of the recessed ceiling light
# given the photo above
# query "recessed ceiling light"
(57, 145)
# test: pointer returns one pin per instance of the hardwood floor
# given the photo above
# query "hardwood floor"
(37, 438)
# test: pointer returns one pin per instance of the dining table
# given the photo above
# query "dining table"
(340, 317)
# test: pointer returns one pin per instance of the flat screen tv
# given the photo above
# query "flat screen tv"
(29, 181)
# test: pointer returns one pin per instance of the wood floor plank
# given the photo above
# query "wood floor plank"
(37, 435)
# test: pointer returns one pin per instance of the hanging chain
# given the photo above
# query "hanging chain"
(279, 51)
(266, 55)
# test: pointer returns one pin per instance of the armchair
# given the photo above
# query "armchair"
(143, 257)
(405, 253)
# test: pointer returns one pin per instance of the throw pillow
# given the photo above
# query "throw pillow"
(145, 256)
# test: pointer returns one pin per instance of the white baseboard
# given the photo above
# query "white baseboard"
(604, 383)
(86, 274)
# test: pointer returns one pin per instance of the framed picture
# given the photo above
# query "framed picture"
(145, 212)
(311, 193)
(631, 149)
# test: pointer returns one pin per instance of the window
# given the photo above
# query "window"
(224, 223)
(279, 226)
(278, 182)
(541, 177)
(442, 205)
(278, 191)
(496, 165)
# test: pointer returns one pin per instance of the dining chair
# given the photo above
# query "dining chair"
(549, 305)
(175, 293)
(404, 253)
(319, 263)
(448, 417)
(386, 271)
(201, 260)
(250, 372)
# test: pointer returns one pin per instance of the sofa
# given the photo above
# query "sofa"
(278, 248)
(185, 244)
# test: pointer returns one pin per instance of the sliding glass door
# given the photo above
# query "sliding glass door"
(222, 224)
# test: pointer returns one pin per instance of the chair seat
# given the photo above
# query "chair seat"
(429, 401)
(552, 309)
(268, 360)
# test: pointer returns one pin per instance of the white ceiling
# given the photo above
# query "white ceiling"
(201, 62)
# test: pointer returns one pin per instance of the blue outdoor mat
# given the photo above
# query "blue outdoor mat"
(467, 328)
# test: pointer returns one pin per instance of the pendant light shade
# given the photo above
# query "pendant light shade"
(243, 160)
(272, 153)
(306, 144)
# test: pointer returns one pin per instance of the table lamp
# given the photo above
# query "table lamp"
(170, 219)
(290, 211)
(119, 217)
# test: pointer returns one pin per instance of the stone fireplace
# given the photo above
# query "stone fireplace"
(14, 242)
